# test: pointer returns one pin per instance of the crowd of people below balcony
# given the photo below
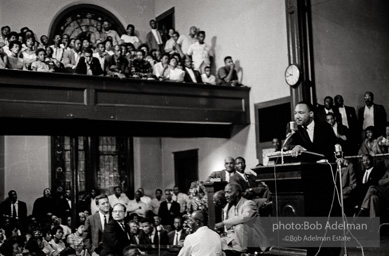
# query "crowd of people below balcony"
(178, 58)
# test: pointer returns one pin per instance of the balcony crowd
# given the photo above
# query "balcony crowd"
(164, 57)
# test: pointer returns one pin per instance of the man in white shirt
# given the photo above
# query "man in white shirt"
(372, 115)
(186, 41)
(118, 197)
(200, 52)
(137, 206)
(180, 198)
(224, 175)
(156, 202)
(145, 199)
(203, 241)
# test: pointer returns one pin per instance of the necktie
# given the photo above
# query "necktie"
(305, 133)
(156, 241)
(176, 241)
(365, 177)
(14, 211)
(105, 220)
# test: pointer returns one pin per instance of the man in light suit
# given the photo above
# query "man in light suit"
(224, 175)
(14, 208)
(72, 56)
(239, 216)
(154, 37)
(95, 224)
(116, 234)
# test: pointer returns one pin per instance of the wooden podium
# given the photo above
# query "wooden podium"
(300, 189)
(214, 215)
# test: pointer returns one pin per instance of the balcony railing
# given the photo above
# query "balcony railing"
(53, 103)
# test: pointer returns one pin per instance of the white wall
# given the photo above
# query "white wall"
(39, 14)
(27, 167)
(253, 32)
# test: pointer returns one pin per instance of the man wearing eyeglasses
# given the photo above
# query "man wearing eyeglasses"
(116, 233)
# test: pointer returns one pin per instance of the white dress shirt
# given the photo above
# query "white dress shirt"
(102, 219)
(204, 242)
(366, 175)
(368, 117)
(310, 130)
(342, 111)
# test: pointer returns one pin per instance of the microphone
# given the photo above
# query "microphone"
(338, 151)
(291, 128)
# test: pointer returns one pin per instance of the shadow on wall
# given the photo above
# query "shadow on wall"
(239, 71)
(213, 56)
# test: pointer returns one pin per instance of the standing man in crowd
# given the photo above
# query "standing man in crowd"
(200, 52)
(372, 115)
(14, 208)
(108, 32)
(168, 210)
(180, 198)
(156, 202)
(95, 224)
(154, 37)
(43, 205)
(116, 234)
(203, 241)
(224, 175)
(118, 197)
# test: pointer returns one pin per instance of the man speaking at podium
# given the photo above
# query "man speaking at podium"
(311, 135)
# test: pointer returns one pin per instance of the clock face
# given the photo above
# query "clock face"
(292, 75)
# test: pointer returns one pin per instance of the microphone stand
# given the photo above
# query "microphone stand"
(288, 136)
(339, 169)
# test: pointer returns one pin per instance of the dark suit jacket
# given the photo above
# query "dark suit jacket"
(167, 216)
(121, 65)
(143, 240)
(94, 230)
(188, 79)
(218, 174)
(323, 140)
(351, 119)
(42, 206)
(349, 180)
(375, 175)
(257, 190)
(5, 209)
(114, 239)
(163, 238)
(172, 233)
(379, 119)
(95, 67)
(321, 114)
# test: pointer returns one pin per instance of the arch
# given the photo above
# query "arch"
(83, 15)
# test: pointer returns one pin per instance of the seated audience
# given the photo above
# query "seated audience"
(144, 198)
(12, 36)
(176, 48)
(207, 77)
(52, 62)
(162, 69)
(109, 47)
(175, 74)
(58, 51)
(44, 42)
(227, 74)
(14, 61)
(243, 226)
(117, 65)
(137, 235)
(154, 237)
(130, 37)
(76, 241)
(3, 57)
(157, 223)
(140, 68)
(191, 76)
(5, 30)
(89, 65)
(200, 52)
(72, 56)
(40, 65)
(28, 54)
(65, 42)
(170, 42)
(202, 241)
(56, 242)
(383, 141)
(177, 236)
(370, 144)
(101, 54)
(328, 107)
